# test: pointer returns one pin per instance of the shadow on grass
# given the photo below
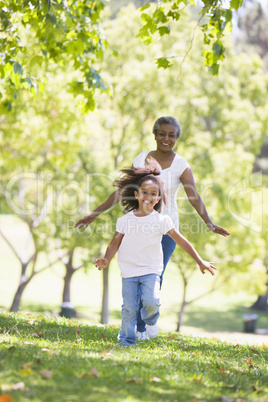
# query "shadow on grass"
(169, 369)
(230, 320)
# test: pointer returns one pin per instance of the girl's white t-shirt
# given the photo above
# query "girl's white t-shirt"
(171, 177)
(140, 252)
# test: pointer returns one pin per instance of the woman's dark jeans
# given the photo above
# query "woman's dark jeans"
(168, 246)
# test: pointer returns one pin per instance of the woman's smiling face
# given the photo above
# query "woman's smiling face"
(166, 137)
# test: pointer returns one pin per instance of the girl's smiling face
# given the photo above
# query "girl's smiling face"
(148, 196)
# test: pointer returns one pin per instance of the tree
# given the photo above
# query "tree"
(39, 34)
(223, 119)
(251, 33)
(214, 20)
(251, 37)
(67, 32)
(41, 159)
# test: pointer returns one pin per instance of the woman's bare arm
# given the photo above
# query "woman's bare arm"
(188, 182)
(110, 202)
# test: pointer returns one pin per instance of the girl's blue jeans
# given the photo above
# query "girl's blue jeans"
(147, 289)
(168, 246)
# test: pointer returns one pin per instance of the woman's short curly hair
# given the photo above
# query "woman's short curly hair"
(167, 120)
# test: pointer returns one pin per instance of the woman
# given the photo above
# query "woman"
(175, 171)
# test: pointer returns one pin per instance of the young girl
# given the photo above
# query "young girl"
(138, 241)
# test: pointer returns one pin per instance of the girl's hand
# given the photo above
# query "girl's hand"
(101, 263)
(207, 265)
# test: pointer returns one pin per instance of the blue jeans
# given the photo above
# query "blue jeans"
(147, 289)
(168, 246)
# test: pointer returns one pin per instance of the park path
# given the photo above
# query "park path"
(258, 339)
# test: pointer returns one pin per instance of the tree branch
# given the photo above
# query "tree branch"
(11, 246)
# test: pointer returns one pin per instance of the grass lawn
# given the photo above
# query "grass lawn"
(54, 359)
(216, 312)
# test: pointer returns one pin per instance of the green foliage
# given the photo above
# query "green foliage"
(52, 358)
(37, 34)
(224, 120)
(252, 36)
(218, 15)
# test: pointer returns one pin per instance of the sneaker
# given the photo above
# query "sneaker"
(142, 336)
(152, 330)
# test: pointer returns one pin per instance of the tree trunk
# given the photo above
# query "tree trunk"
(22, 285)
(67, 310)
(66, 295)
(105, 296)
(181, 313)
(261, 303)
(184, 302)
(17, 297)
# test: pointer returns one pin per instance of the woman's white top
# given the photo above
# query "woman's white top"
(172, 179)
(140, 252)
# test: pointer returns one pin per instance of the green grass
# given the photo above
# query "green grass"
(216, 312)
(85, 363)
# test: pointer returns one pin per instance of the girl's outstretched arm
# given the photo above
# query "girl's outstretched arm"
(189, 248)
(110, 202)
(112, 248)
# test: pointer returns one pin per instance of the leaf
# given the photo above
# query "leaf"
(196, 379)
(163, 62)
(236, 4)
(134, 379)
(48, 4)
(156, 379)
(38, 335)
(94, 372)
(47, 350)
(46, 373)
(255, 388)
(5, 398)
(254, 350)
(249, 362)
(26, 371)
(19, 386)
(36, 60)
(85, 375)
(17, 68)
(214, 69)
(146, 5)
(164, 30)
(218, 49)
(170, 337)
(27, 365)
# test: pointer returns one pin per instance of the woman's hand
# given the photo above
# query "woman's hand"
(218, 230)
(87, 220)
(101, 263)
(205, 265)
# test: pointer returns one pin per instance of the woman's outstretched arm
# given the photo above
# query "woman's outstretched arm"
(110, 202)
(188, 182)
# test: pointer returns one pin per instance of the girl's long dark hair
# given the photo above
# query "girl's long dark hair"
(132, 180)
